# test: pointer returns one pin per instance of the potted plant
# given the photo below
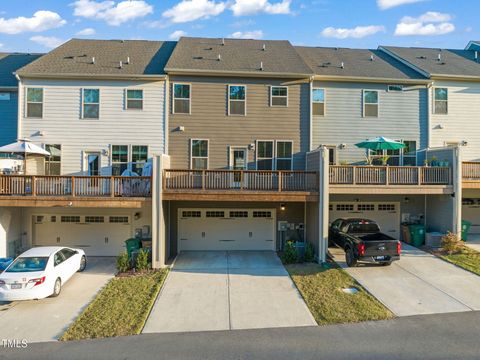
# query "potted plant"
(434, 161)
(384, 159)
(426, 162)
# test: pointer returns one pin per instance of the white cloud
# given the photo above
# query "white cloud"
(86, 32)
(430, 23)
(191, 10)
(252, 7)
(357, 32)
(255, 34)
(47, 41)
(40, 21)
(387, 4)
(177, 34)
(111, 12)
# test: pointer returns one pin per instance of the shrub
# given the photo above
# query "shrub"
(142, 263)
(290, 254)
(309, 253)
(451, 243)
(123, 262)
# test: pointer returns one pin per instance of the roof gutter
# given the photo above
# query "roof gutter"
(455, 77)
(92, 76)
(371, 80)
(260, 74)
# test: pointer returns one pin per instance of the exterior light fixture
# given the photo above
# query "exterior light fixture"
(282, 206)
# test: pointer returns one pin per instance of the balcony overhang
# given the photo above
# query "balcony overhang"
(73, 202)
(239, 195)
(392, 189)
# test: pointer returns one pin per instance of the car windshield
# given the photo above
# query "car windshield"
(28, 264)
(363, 228)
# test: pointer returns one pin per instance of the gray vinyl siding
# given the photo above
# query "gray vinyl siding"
(209, 120)
(462, 121)
(8, 116)
(402, 116)
(62, 122)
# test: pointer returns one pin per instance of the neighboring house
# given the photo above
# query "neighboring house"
(9, 63)
(473, 45)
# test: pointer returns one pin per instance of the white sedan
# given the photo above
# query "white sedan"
(40, 272)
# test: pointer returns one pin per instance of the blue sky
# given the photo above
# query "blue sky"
(39, 25)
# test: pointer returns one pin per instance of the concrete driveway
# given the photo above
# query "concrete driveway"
(219, 290)
(47, 319)
(419, 283)
(473, 242)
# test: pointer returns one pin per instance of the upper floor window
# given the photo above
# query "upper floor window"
(134, 99)
(53, 162)
(199, 154)
(284, 155)
(181, 98)
(119, 159)
(237, 104)
(370, 103)
(440, 101)
(91, 103)
(139, 158)
(318, 102)
(278, 96)
(34, 102)
(265, 155)
(4, 96)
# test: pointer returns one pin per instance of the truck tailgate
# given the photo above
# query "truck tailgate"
(379, 248)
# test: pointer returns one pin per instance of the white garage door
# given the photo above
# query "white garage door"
(226, 229)
(97, 235)
(386, 214)
(471, 212)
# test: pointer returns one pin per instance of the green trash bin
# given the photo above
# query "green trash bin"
(132, 245)
(465, 228)
(417, 233)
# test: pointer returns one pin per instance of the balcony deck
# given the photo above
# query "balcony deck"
(74, 191)
(470, 175)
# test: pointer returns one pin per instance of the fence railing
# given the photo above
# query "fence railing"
(471, 170)
(240, 180)
(390, 175)
(87, 186)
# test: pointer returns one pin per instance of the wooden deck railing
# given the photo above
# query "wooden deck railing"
(471, 170)
(240, 180)
(87, 186)
(390, 175)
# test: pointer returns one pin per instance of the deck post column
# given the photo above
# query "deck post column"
(323, 205)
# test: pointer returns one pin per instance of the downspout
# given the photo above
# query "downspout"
(166, 115)
(310, 107)
(429, 112)
(19, 106)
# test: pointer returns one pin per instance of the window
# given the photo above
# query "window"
(191, 214)
(139, 158)
(410, 153)
(238, 214)
(284, 155)
(332, 155)
(67, 253)
(70, 219)
(393, 157)
(366, 207)
(278, 96)
(94, 219)
(199, 154)
(318, 102)
(91, 104)
(217, 214)
(118, 219)
(34, 102)
(135, 99)
(395, 88)
(370, 103)
(440, 101)
(262, 214)
(344, 207)
(237, 100)
(264, 155)
(53, 162)
(4, 96)
(181, 98)
(119, 159)
(386, 207)
(58, 258)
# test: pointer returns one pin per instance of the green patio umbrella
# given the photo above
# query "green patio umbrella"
(380, 143)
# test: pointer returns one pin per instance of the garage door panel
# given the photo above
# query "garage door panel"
(472, 213)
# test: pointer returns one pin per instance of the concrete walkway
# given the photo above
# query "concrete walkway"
(218, 290)
(419, 283)
(473, 242)
(47, 319)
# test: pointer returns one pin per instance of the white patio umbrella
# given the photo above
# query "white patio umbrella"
(25, 148)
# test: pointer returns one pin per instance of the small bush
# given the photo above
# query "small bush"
(142, 263)
(290, 254)
(123, 263)
(451, 243)
(309, 253)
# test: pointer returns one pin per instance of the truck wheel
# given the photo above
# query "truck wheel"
(388, 263)
(350, 258)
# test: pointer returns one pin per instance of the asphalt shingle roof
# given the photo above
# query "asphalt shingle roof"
(452, 62)
(356, 63)
(236, 55)
(11, 62)
(75, 58)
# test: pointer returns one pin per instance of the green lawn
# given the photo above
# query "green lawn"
(467, 259)
(121, 308)
(322, 290)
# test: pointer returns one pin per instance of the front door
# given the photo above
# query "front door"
(238, 161)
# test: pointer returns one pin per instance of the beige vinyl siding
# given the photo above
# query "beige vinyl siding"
(402, 115)
(62, 122)
(209, 120)
(462, 121)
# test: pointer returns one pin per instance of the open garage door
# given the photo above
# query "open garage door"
(226, 229)
(471, 212)
(386, 214)
(97, 235)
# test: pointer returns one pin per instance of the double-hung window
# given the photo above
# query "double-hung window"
(181, 98)
(265, 155)
(279, 96)
(139, 158)
(91, 104)
(237, 100)
(409, 153)
(284, 155)
(134, 99)
(440, 101)
(370, 103)
(199, 154)
(34, 102)
(318, 102)
(54, 160)
(119, 159)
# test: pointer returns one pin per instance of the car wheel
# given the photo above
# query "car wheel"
(350, 258)
(83, 264)
(388, 263)
(57, 288)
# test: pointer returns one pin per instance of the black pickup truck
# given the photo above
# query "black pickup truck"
(363, 242)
